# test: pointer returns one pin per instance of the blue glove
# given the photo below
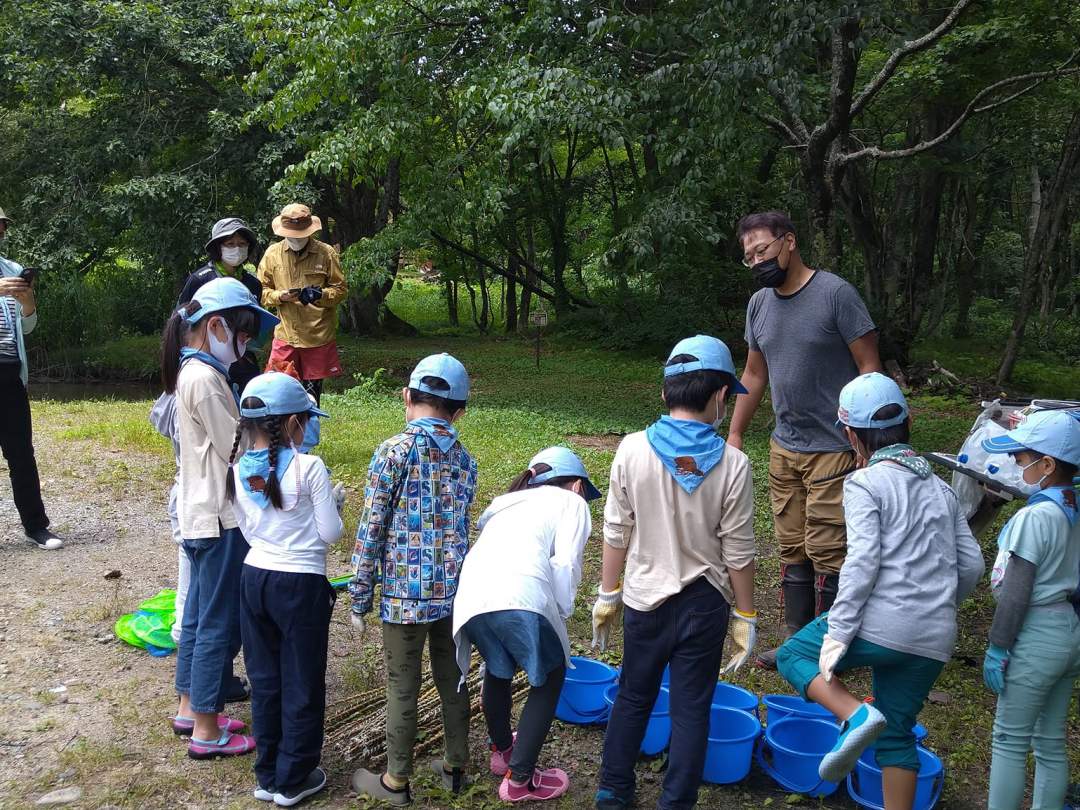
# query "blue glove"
(994, 665)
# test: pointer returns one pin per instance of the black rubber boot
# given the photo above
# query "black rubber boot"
(825, 588)
(797, 600)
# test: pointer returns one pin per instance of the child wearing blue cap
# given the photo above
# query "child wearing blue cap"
(412, 540)
(911, 559)
(679, 518)
(202, 339)
(516, 593)
(286, 509)
(1034, 656)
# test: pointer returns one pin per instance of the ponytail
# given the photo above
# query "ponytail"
(172, 340)
(524, 480)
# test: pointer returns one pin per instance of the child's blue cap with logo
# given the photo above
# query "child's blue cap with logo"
(867, 394)
(228, 293)
(281, 395)
(446, 368)
(1052, 433)
(562, 462)
(709, 353)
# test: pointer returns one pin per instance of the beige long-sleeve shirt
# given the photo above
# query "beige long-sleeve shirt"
(206, 426)
(674, 538)
(305, 326)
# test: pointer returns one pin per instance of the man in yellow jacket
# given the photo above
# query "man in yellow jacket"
(301, 277)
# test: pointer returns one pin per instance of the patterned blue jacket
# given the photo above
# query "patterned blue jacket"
(414, 528)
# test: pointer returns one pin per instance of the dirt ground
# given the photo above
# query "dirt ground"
(80, 710)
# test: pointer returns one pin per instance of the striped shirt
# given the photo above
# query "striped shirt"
(9, 346)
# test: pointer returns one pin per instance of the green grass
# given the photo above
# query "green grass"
(1036, 375)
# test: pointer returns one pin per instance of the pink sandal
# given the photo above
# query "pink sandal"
(228, 745)
(183, 726)
(545, 784)
(500, 760)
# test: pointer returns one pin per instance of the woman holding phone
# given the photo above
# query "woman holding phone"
(18, 317)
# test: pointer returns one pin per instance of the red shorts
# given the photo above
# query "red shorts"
(316, 363)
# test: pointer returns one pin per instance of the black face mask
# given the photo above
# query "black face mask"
(769, 273)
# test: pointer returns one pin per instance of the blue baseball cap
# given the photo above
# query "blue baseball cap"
(228, 293)
(864, 396)
(446, 368)
(563, 461)
(281, 395)
(711, 354)
(1052, 433)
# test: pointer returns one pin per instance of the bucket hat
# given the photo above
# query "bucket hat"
(224, 228)
(297, 221)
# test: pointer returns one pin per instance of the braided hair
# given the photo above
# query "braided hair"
(230, 481)
(272, 425)
(274, 428)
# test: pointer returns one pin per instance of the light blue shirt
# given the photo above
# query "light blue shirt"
(24, 324)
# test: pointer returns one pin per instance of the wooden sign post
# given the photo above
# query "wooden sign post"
(539, 319)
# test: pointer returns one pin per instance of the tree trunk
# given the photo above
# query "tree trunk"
(511, 294)
(1047, 231)
(450, 293)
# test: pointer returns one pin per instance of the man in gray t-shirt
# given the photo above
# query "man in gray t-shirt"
(809, 334)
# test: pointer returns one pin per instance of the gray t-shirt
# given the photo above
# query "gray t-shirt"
(804, 337)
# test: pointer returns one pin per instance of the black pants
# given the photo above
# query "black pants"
(17, 442)
(686, 632)
(314, 387)
(285, 620)
(535, 720)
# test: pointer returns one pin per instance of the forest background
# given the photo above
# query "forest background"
(584, 157)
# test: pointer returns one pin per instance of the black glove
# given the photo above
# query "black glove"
(309, 295)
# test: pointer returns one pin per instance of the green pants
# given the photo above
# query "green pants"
(901, 683)
(403, 648)
(1044, 664)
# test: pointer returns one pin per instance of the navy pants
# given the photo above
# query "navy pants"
(285, 619)
(17, 443)
(210, 634)
(686, 633)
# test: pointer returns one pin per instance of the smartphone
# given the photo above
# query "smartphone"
(294, 291)
(29, 274)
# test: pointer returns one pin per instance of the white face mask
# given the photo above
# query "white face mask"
(228, 351)
(720, 415)
(1024, 486)
(297, 244)
(234, 256)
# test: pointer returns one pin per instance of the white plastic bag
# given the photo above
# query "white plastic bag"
(1001, 467)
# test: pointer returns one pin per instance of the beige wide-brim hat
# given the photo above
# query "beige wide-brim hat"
(4, 217)
(297, 221)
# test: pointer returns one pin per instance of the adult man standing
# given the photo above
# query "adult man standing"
(809, 333)
(302, 278)
(18, 317)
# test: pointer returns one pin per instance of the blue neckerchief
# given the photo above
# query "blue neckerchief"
(438, 430)
(1065, 497)
(254, 470)
(687, 448)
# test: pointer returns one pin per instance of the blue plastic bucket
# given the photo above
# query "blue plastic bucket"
(864, 783)
(732, 734)
(582, 698)
(920, 733)
(735, 697)
(782, 706)
(658, 731)
(791, 751)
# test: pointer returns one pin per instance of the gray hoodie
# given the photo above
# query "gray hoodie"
(911, 559)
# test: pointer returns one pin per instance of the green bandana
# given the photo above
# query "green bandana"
(902, 454)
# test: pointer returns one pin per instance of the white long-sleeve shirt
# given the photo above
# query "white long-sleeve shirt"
(528, 557)
(296, 537)
(911, 559)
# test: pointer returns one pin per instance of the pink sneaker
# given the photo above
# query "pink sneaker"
(500, 760)
(183, 726)
(228, 745)
(545, 784)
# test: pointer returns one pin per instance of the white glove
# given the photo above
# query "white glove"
(742, 627)
(605, 615)
(338, 494)
(831, 653)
